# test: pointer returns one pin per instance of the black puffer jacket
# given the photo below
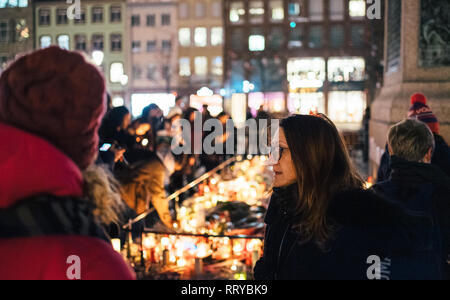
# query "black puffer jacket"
(367, 226)
(423, 190)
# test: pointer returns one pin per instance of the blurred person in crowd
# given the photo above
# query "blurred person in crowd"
(114, 137)
(52, 197)
(262, 114)
(321, 223)
(179, 107)
(206, 115)
(441, 155)
(422, 189)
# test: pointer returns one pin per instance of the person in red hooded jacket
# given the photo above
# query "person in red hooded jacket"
(52, 200)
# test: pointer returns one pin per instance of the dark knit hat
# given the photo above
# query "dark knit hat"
(421, 111)
(57, 95)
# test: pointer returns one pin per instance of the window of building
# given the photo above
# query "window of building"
(116, 14)
(316, 10)
(64, 42)
(237, 38)
(316, 36)
(166, 46)
(185, 66)
(216, 36)
(45, 41)
(183, 10)
(237, 12)
(166, 72)
(201, 66)
(296, 37)
(44, 16)
(116, 72)
(357, 35)
(97, 14)
(165, 20)
(297, 8)
(216, 9)
(137, 72)
(217, 66)
(346, 69)
(337, 36)
(151, 20)
(276, 10)
(357, 9)
(306, 74)
(135, 20)
(276, 38)
(184, 36)
(152, 72)
(306, 103)
(116, 42)
(136, 46)
(256, 11)
(97, 42)
(200, 10)
(256, 43)
(201, 37)
(80, 42)
(151, 46)
(82, 17)
(337, 10)
(4, 31)
(13, 3)
(61, 16)
(346, 107)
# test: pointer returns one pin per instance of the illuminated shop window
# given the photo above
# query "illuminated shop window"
(256, 11)
(217, 66)
(276, 10)
(306, 74)
(185, 66)
(346, 107)
(184, 36)
(63, 42)
(306, 103)
(256, 43)
(13, 3)
(46, 41)
(201, 37)
(116, 72)
(237, 12)
(357, 9)
(346, 69)
(201, 66)
(216, 36)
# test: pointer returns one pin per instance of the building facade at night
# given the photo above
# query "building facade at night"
(16, 29)
(298, 56)
(200, 37)
(152, 27)
(99, 31)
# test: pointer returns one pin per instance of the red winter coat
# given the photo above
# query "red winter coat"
(31, 166)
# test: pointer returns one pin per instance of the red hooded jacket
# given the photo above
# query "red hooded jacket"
(31, 166)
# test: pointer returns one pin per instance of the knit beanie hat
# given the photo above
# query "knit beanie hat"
(421, 111)
(56, 95)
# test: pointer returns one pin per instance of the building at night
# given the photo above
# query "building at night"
(16, 29)
(97, 29)
(152, 27)
(300, 56)
(200, 53)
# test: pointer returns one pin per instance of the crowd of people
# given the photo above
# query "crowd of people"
(72, 170)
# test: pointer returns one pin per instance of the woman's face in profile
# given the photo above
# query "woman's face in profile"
(284, 169)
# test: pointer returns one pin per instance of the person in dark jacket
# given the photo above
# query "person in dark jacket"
(441, 155)
(422, 189)
(321, 223)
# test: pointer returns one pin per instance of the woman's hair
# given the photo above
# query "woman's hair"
(111, 121)
(323, 168)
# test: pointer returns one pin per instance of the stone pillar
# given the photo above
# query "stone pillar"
(417, 59)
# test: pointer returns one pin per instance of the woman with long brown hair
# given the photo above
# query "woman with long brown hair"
(321, 223)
